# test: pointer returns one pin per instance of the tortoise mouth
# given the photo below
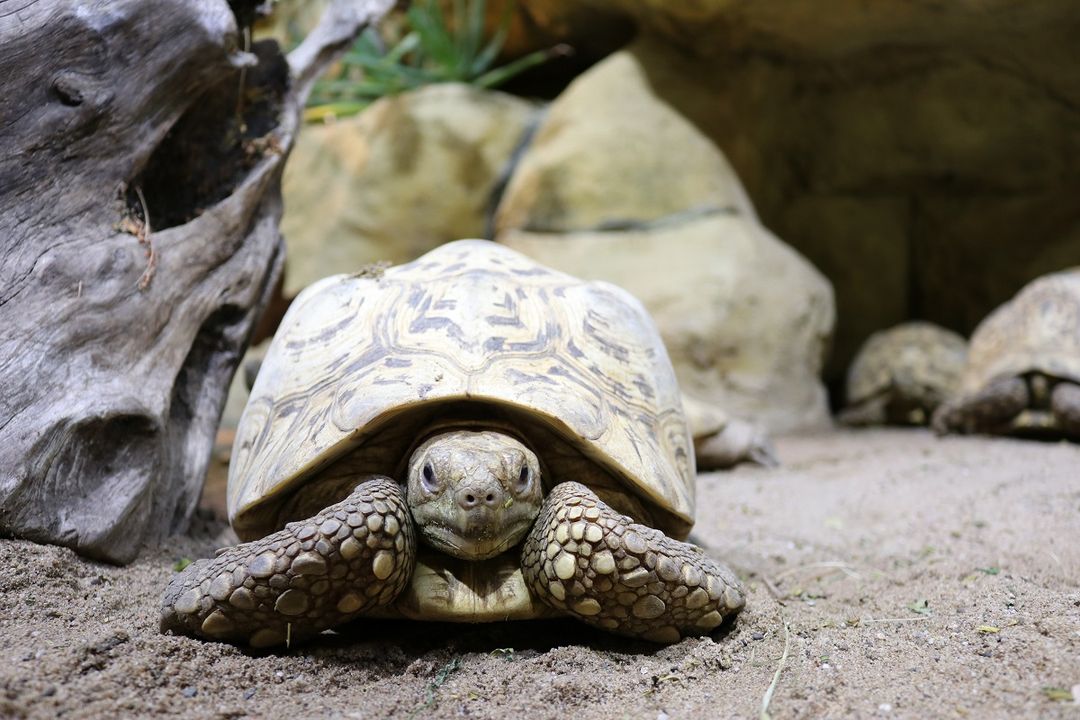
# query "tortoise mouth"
(480, 546)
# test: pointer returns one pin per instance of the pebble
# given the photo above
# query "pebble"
(189, 692)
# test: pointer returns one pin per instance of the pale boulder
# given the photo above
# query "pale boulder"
(409, 173)
(746, 320)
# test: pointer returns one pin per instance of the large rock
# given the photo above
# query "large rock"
(618, 186)
(409, 173)
(924, 156)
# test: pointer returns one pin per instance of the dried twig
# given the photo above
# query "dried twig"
(767, 698)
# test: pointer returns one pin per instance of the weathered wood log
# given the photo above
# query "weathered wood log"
(141, 149)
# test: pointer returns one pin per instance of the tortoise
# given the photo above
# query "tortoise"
(468, 437)
(901, 375)
(1022, 375)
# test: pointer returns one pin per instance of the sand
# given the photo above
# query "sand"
(890, 574)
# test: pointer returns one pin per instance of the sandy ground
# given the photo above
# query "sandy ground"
(890, 574)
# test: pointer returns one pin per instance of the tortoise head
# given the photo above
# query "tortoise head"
(473, 494)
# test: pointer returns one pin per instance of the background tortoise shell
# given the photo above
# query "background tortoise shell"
(1037, 331)
(470, 333)
(916, 358)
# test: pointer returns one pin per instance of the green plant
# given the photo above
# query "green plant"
(433, 49)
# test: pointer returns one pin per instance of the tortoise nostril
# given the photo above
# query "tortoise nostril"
(470, 499)
(490, 498)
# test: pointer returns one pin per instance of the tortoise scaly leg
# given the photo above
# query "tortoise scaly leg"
(584, 558)
(985, 411)
(314, 574)
(1065, 402)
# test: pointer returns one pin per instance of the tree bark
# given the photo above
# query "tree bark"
(141, 149)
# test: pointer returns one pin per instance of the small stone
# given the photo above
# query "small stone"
(383, 564)
(188, 602)
(249, 693)
(587, 607)
(217, 624)
(603, 562)
(649, 607)
(391, 525)
(262, 566)
(189, 692)
(634, 543)
(697, 599)
(329, 527)
(374, 523)
(292, 602)
(565, 566)
(350, 603)
(308, 531)
(242, 598)
(310, 563)
(594, 534)
(350, 548)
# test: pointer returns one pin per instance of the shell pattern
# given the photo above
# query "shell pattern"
(470, 323)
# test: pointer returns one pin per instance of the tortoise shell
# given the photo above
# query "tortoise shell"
(470, 334)
(1037, 331)
(917, 359)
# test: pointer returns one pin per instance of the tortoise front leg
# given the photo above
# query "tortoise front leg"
(314, 574)
(984, 412)
(584, 558)
(1065, 402)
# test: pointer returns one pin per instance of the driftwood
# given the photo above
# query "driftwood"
(141, 149)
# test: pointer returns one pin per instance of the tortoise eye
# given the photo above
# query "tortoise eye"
(429, 478)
